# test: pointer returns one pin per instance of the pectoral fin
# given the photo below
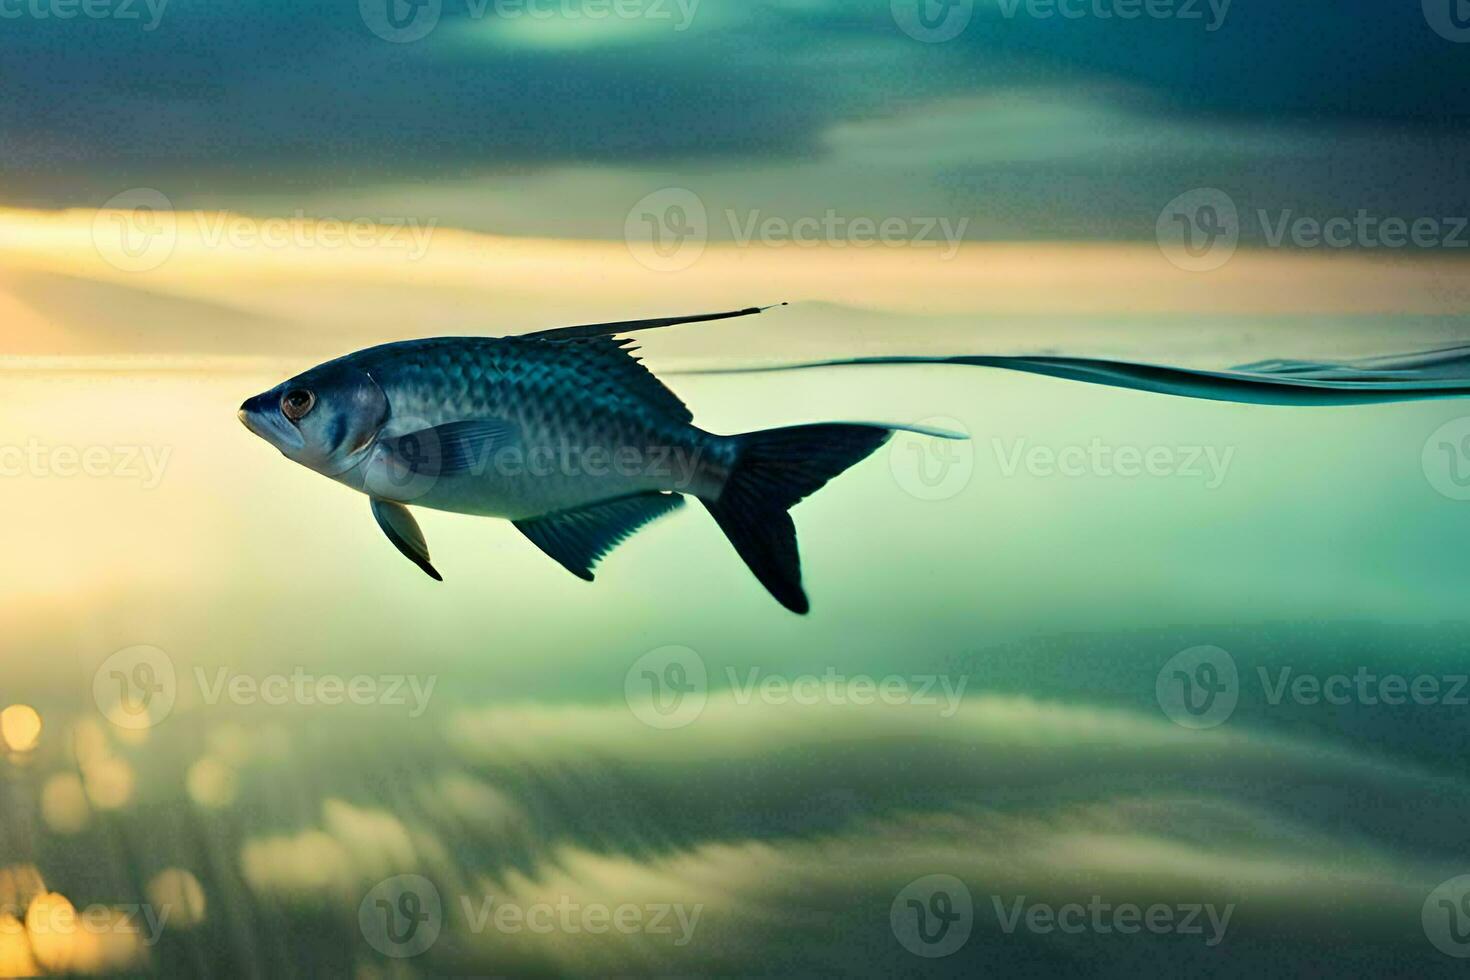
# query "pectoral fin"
(579, 539)
(403, 531)
(451, 449)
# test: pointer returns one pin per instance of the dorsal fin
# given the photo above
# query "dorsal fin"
(611, 360)
(614, 357)
(628, 326)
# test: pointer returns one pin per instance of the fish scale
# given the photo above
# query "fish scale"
(485, 376)
(560, 398)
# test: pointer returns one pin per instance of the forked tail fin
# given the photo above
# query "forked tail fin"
(774, 470)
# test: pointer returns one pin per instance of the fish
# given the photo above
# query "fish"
(563, 432)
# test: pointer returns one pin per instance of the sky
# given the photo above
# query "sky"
(299, 178)
(553, 117)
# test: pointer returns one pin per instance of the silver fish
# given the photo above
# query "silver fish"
(563, 432)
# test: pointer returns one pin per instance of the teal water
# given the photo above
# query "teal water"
(672, 775)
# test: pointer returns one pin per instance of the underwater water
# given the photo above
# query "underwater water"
(1125, 681)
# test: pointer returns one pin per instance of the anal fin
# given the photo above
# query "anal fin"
(578, 539)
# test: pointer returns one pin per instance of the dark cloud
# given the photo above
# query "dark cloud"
(270, 96)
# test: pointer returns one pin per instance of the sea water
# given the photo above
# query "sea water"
(1123, 682)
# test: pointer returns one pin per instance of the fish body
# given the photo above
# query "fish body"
(574, 432)
(564, 433)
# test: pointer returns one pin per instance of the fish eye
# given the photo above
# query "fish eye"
(296, 403)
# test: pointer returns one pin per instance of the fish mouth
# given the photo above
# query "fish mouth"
(260, 415)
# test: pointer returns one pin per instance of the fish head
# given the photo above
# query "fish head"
(326, 419)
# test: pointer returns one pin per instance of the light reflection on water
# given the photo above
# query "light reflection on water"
(316, 720)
